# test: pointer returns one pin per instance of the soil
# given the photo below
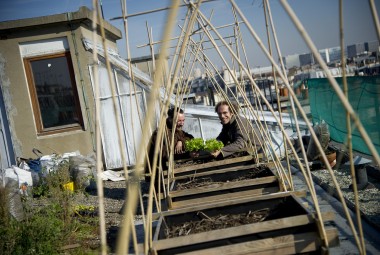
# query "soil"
(216, 222)
(206, 181)
(204, 159)
(191, 162)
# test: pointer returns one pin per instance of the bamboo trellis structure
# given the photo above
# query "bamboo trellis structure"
(190, 52)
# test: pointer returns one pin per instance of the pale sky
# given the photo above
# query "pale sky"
(320, 18)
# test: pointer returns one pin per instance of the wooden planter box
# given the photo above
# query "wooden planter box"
(213, 165)
(233, 182)
(287, 229)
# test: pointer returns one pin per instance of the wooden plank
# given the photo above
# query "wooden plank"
(288, 244)
(209, 172)
(227, 203)
(299, 193)
(223, 197)
(227, 169)
(212, 164)
(247, 229)
(178, 207)
(223, 186)
(219, 171)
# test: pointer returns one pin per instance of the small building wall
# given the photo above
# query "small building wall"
(17, 99)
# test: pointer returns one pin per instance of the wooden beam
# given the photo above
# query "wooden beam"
(203, 172)
(232, 232)
(212, 164)
(223, 186)
(227, 203)
(227, 169)
(299, 193)
(222, 197)
(288, 244)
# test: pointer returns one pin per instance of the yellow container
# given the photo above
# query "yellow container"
(68, 186)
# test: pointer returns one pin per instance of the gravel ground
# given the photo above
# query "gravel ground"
(369, 199)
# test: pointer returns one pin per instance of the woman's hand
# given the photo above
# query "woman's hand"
(178, 148)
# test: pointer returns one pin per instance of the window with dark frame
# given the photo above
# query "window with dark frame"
(53, 92)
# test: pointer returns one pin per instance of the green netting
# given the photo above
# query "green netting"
(364, 97)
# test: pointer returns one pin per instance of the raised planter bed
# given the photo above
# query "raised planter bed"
(198, 166)
(222, 184)
(270, 223)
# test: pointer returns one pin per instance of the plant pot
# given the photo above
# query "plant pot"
(331, 157)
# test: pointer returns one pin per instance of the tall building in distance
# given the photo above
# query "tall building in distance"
(371, 46)
(332, 55)
(306, 59)
(355, 50)
(335, 54)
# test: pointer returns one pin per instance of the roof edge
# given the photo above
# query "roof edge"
(82, 14)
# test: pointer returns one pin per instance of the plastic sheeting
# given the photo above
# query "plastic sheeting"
(364, 97)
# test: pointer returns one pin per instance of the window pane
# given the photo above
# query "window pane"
(54, 92)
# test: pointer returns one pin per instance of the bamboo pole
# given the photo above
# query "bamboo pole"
(130, 219)
(289, 177)
(333, 82)
(179, 37)
(344, 102)
(155, 10)
(274, 75)
(297, 157)
(149, 32)
(175, 61)
(177, 68)
(236, 82)
(99, 163)
(226, 97)
(199, 48)
(375, 17)
(233, 76)
(315, 200)
(131, 202)
(212, 76)
(311, 131)
(348, 126)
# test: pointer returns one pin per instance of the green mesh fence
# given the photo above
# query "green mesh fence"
(364, 97)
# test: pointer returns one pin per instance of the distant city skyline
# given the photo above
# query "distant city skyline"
(332, 54)
(320, 18)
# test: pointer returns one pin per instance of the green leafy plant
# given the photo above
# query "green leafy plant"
(197, 144)
(213, 145)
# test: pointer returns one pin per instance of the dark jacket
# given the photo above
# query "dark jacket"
(179, 135)
(238, 135)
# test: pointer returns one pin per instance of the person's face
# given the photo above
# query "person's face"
(224, 114)
(180, 121)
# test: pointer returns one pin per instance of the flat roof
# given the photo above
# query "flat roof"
(82, 14)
